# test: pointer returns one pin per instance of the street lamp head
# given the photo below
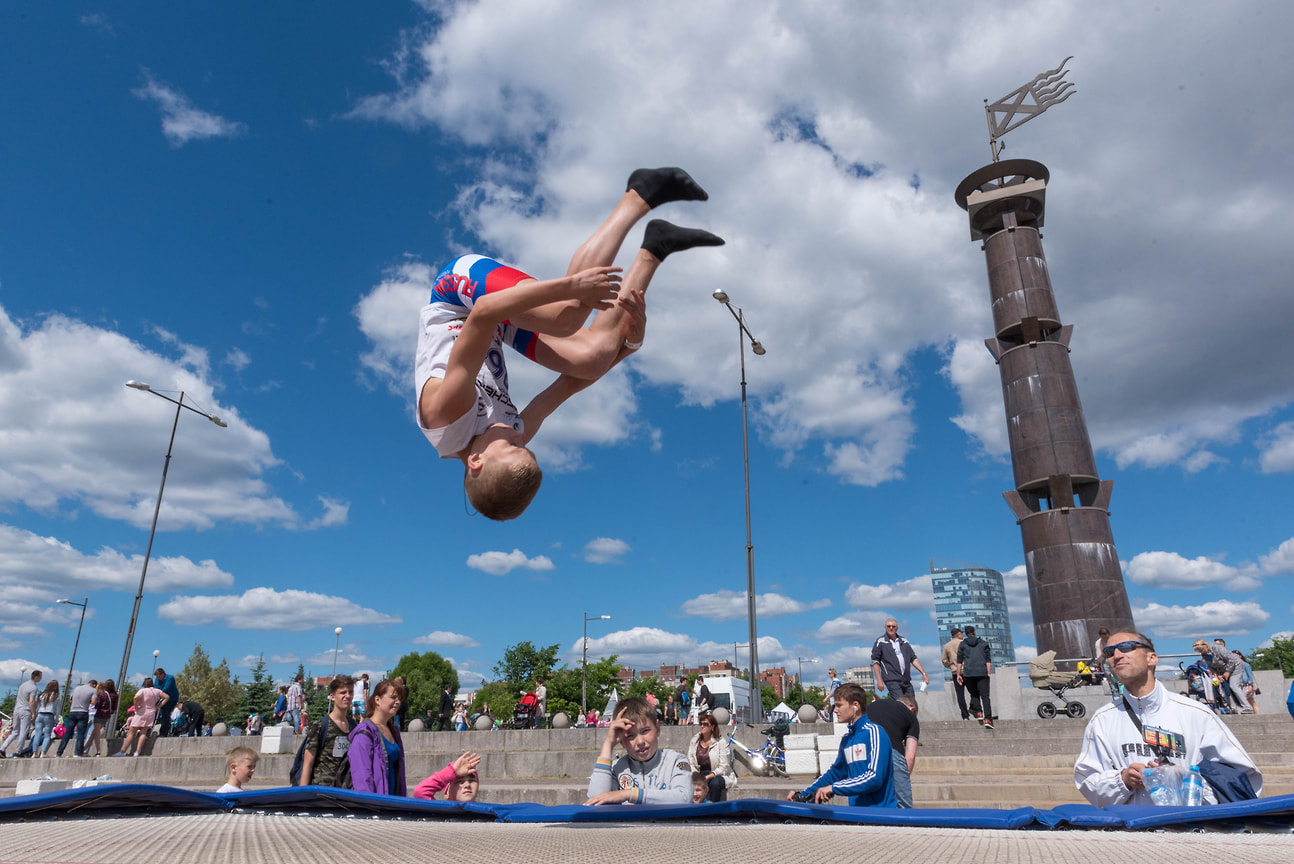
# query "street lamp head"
(63, 601)
(155, 654)
(756, 346)
(223, 425)
(337, 631)
(605, 617)
(138, 385)
(721, 296)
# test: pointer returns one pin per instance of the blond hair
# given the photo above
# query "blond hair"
(502, 491)
(243, 754)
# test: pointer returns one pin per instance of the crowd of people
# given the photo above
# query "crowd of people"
(357, 744)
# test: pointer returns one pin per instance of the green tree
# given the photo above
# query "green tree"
(1278, 655)
(9, 700)
(127, 692)
(258, 695)
(425, 676)
(564, 686)
(523, 662)
(209, 686)
(500, 696)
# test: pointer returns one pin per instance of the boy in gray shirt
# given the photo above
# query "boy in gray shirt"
(645, 774)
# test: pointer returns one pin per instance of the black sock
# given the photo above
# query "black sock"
(662, 238)
(659, 186)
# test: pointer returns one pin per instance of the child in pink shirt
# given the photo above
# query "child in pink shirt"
(459, 779)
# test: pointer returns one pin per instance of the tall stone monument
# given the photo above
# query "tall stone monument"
(1060, 503)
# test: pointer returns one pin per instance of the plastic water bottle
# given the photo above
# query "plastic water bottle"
(1162, 790)
(1192, 792)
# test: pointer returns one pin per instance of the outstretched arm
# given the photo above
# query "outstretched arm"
(566, 386)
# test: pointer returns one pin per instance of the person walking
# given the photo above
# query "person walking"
(105, 708)
(24, 715)
(78, 717)
(949, 659)
(47, 705)
(974, 666)
(893, 660)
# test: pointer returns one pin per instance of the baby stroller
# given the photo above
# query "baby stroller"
(1045, 676)
(1202, 686)
(527, 712)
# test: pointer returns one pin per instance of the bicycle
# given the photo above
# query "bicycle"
(768, 760)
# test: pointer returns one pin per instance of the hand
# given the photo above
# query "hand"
(1132, 776)
(823, 795)
(596, 287)
(635, 327)
(615, 796)
(466, 764)
(925, 678)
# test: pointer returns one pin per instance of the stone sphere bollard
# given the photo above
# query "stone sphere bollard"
(721, 716)
(415, 725)
(220, 730)
(484, 723)
(808, 714)
(561, 720)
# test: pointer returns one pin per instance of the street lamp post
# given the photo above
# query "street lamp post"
(584, 663)
(800, 679)
(743, 332)
(139, 595)
(67, 688)
(156, 654)
(335, 649)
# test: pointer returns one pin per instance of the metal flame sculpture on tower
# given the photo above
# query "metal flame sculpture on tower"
(1061, 505)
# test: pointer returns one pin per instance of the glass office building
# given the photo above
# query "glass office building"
(977, 596)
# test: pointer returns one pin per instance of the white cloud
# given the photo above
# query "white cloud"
(181, 121)
(499, 563)
(1170, 570)
(238, 359)
(916, 593)
(284, 659)
(1277, 449)
(1279, 560)
(72, 433)
(730, 605)
(336, 512)
(854, 627)
(1208, 620)
(1025, 653)
(268, 609)
(12, 668)
(647, 647)
(801, 165)
(43, 567)
(605, 550)
(446, 639)
(351, 660)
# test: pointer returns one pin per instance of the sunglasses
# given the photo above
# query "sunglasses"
(1123, 648)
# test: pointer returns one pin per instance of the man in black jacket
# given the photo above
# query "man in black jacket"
(892, 662)
(445, 713)
(974, 666)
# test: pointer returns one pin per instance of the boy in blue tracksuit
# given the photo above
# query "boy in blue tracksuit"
(862, 769)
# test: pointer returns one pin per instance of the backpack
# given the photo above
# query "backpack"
(294, 774)
(685, 698)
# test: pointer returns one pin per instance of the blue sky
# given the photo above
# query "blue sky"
(247, 205)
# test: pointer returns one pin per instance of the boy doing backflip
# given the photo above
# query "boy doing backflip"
(478, 305)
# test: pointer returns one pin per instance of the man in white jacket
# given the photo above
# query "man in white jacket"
(1183, 731)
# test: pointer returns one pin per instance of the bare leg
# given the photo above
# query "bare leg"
(648, 188)
(589, 352)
